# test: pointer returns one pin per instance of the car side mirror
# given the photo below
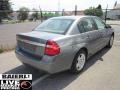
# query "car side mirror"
(108, 26)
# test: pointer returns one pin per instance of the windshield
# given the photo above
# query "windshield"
(55, 25)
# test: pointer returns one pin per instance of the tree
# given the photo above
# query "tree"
(35, 15)
(99, 7)
(99, 10)
(23, 13)
(5, 9)
(94, 11)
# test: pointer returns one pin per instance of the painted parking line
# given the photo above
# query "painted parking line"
(40, 79)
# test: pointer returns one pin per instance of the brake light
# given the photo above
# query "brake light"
(52, 48)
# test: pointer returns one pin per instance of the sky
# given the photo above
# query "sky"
(67, 5)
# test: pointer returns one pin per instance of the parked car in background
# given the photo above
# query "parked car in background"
(63, 43)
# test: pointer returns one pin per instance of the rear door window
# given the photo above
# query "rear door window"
(86, 25)
(81, 27)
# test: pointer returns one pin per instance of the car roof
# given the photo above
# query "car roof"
(71, 17)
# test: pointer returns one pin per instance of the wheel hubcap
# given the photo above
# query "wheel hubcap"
(80, 62)
(111, 41)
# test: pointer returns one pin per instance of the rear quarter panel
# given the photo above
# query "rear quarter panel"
(69, 46)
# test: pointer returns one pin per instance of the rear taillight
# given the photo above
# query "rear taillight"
(52, 48)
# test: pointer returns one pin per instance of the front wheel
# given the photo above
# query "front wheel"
(79, 62)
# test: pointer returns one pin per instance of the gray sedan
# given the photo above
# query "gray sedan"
(63, 43)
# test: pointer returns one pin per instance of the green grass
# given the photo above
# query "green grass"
(6, 48)
(1, 50)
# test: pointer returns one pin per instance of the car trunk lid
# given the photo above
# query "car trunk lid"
(34, 42)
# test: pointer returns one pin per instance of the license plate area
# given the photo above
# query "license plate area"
(27, 47)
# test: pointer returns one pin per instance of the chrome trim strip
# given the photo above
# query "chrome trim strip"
(31, 42)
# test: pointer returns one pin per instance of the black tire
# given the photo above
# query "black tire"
(74, 69)
(110, 44)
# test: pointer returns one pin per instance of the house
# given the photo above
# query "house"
(114, 13)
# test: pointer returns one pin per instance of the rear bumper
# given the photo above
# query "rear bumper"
(45, 63)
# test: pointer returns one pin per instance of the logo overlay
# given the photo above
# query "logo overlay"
(15, 81)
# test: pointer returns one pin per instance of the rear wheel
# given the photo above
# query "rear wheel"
(79, 62)
(110, 42)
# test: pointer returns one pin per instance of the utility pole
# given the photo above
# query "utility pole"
(106, 13)
(75, 10)
(62, 12)
(41, 16)
(58, 6)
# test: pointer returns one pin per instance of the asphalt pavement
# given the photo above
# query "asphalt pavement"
(8, 32)
(102, 71)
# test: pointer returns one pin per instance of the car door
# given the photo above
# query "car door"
(103, 30)
(93, 34)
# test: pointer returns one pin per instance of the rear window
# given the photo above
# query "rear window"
(55, 25)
